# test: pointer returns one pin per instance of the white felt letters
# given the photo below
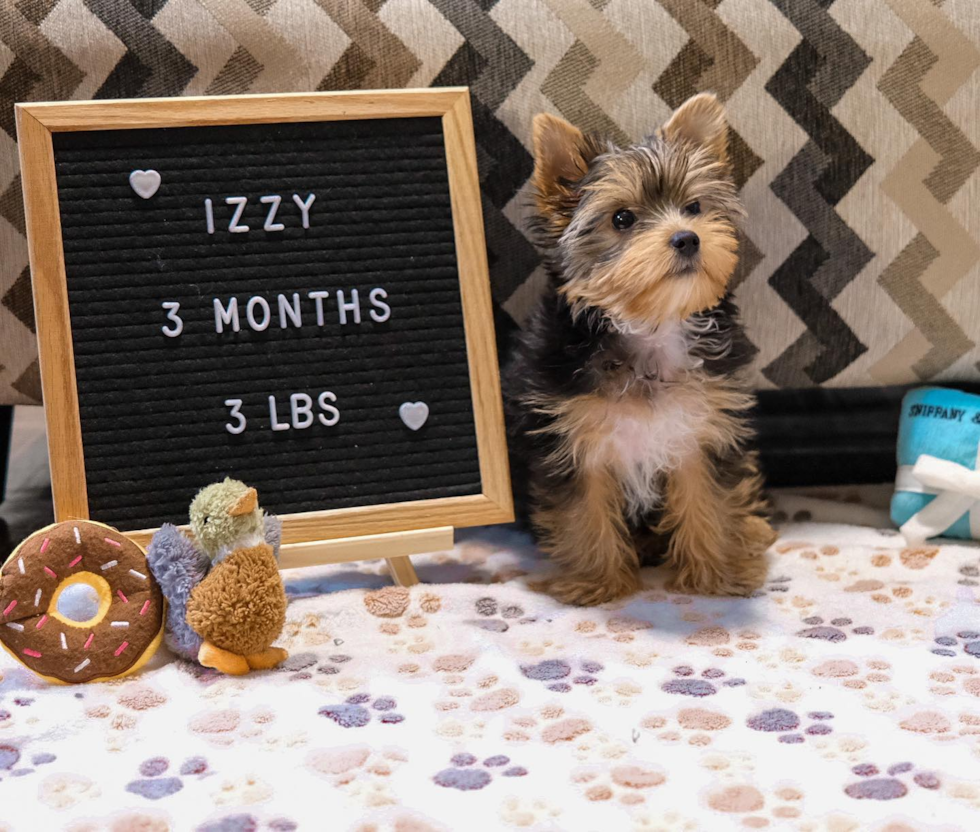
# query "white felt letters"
(241, 204)
(258, 324)
(292, 312)
(236, 414)
(273, 202)
(320, 308)
(226, 316)
(301, 414)
(172, 308)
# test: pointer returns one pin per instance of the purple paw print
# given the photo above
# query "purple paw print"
(356, 711)
(970, 643)
(492, 616)
(467, 777)
(786, 722)
(155, 786)
(555, 671)
(10, 755)
(832, 632)
(778, 584)
(873, 787)
(686, 684)
(332, 667)
(246, 823)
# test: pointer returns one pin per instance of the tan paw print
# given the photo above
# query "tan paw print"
(854, 675)
(957, 678)
(360, 771)
(967, 791)
(62, 791)
(552, 726)
(627, 783)
(723, 642)
(475, 692)
(748, 801)
(695, 726)
(524, 812)
(849, 748)
(304, 631)
(905, 635)
(242, 791)
(785, 692)
(462, 729)
(623, 628)
(118, 722)
(918, 558)
(224, 727)
(733, 792)
(403, 610)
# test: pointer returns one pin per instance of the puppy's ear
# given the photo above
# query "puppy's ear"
(561, 157)
(700, 121)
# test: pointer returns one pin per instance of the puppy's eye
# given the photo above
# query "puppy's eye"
(623, 219)
(693, 209)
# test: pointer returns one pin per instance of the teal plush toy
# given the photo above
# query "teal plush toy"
(937, 488)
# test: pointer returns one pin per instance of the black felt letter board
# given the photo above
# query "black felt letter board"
(152, 407)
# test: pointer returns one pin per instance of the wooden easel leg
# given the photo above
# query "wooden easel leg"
(402, 571)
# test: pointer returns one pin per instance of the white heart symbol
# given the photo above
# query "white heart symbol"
(414, 414)
(144, 182)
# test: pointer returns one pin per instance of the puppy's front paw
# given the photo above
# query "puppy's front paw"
(742, 575)
(584, 592)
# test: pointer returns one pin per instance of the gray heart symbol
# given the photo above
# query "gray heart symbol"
(144, 182)
(414, 414)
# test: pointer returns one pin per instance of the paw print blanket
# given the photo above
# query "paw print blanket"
(844, 695)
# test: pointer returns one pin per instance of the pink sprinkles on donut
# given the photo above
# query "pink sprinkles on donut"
(146, 606)
(41, 622)
(10, 606)
(32, 653)
(112, 542)
(74, 562)
(50, 572)
(119, 592)
(44, 545)
(88, 641)
(120, 648)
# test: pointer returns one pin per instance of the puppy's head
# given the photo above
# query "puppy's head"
(646, 233)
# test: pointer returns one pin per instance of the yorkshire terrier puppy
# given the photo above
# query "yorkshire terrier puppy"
(626, 400)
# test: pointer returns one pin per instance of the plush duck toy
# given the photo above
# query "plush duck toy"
(227, 601)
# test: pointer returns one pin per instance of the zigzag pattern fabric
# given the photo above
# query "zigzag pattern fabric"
(855, 135)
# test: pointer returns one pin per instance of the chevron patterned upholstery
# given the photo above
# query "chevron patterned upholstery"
(855, 138)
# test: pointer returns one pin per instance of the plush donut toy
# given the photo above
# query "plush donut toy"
(79, 604)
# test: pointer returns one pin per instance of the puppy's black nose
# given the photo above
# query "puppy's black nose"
(686, 243)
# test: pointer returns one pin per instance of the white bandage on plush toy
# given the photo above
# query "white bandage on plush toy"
(957, 491)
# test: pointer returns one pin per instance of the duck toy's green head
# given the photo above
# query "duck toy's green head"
(226, 516)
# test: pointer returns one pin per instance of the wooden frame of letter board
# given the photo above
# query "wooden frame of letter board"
(394, 530)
